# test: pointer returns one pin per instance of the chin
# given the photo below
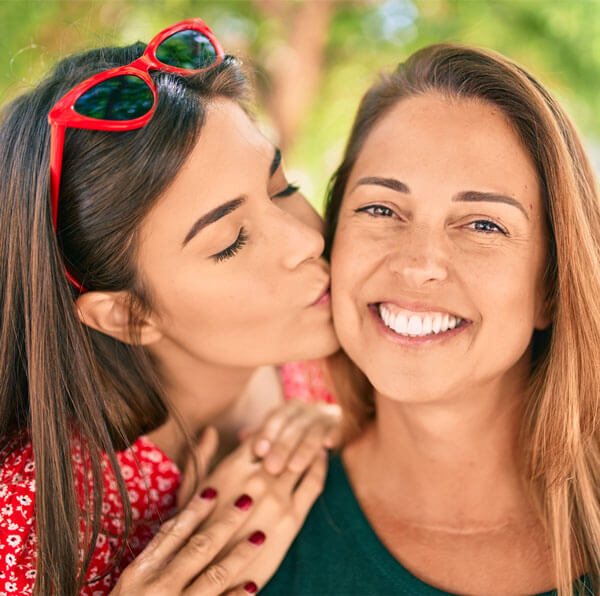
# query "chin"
(315, 350)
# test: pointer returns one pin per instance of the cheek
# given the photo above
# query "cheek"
(347, 264)
(506, 297)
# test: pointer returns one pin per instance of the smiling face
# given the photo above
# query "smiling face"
(439, 252)
(231, 254)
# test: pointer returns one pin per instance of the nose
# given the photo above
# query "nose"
(296, 240)
(420, 258)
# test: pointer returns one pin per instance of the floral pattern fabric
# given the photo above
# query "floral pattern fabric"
(152, 480)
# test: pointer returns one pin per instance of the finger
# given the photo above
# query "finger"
(333, 438)
(176, 531)
(243, 590)
(315, 438)
(202, 547)
(219, 576)
(311, 485)
(272, 426)
(197, 464)
(287, 442)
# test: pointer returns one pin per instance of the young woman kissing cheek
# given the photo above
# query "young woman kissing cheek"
(231, 258)
(439, 254)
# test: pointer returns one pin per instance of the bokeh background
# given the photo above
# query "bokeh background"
(311, 60)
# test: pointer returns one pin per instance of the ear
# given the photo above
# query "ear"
(110, 313)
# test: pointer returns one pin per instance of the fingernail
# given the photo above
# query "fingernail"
(243, 502)
(208, 493)
(251, 588)
(262, 447)
(257, 538)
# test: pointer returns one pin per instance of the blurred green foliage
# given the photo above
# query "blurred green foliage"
(557, 40)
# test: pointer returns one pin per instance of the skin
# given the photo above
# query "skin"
(455, 511)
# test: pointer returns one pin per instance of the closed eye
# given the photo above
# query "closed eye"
(233, 249)
(376, 211)
(286, 192)
(486, 226)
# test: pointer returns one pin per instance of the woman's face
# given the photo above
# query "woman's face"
(231, 253)
(439, 252)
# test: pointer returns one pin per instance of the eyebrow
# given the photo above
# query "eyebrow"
(467, 195)
(391, 183)
(212, 216)
(473, 195)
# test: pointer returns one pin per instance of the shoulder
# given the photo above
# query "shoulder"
(151, 480)
(323, 548)
(146, 468)
(17, 518)
(337, 552)
(307, 380)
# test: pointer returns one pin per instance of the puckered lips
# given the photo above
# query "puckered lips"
(323, 298)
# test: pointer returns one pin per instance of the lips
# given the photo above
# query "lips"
(324, 297)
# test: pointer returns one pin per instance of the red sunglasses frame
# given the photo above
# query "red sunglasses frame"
(63, 114)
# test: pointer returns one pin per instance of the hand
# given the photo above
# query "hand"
(293, 434)
(212, 547)
(281, 504)
(185, 560)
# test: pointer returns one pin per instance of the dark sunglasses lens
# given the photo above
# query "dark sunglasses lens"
(124, 97)
(187, 49)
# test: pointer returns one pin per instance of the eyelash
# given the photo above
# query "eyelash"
(286, 192)
(232, 250)
(370, 210)
(488, 222)
(242, 238)
(386, 212)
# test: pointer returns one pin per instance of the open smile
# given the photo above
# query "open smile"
(417, 325)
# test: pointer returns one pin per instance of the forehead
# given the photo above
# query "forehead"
(230, 159)
(466, 143)
(229, 141)
(230, 156)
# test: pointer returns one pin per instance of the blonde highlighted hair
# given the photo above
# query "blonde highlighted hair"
(560, 436)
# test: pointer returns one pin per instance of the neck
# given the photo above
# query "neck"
(454, 461)
(199, 392)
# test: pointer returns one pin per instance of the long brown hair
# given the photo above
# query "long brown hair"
(63, 383)
(560, 435)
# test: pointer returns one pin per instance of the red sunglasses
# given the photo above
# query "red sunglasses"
(124, 98)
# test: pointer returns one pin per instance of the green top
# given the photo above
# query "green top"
(337, 553)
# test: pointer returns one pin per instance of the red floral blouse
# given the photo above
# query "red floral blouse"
(152, 481)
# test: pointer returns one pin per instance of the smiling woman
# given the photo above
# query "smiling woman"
(463, 228)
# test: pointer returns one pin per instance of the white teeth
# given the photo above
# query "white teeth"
(401, 324)
(445, 320)
(415, 326)
(385, 316)
(427, 326)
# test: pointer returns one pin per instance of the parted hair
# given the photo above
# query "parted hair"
(560, 432)
(63, 385)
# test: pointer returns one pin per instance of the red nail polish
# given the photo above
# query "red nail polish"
(251, 588)
(243, 502)
(208, 493)
(257, 538)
